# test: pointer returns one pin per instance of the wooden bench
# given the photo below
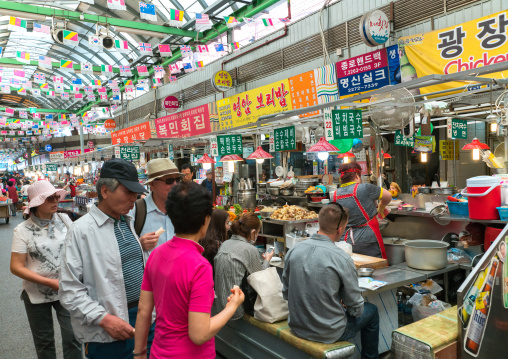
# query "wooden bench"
(434, 337)
(251, 338)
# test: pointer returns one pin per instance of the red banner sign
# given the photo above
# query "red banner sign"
(193, 122)
(75, 153)
(132, 134)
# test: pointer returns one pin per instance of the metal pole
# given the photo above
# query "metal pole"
(214, 194)
(81, 138)
(454, 164)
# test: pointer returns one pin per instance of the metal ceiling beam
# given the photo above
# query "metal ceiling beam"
(247, 11)
(78, 16)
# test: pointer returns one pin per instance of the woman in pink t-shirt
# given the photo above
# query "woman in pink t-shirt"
(178, 281)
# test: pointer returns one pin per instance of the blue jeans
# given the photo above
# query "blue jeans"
(40, 318)
(368, 325)
(120, 349)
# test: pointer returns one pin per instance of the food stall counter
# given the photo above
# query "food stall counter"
(73, 207)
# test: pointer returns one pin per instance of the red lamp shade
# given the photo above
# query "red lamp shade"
(259, 153)
(230, 158)
(206, 159)
(347, 154)
(476, 145)
(323, 146)
(385, 155)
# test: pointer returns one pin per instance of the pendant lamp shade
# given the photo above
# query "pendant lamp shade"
(323, 146)
(231, 158)
(259, 154)
(206, 159)
(476, 145)
(385, 155)
(347, 154)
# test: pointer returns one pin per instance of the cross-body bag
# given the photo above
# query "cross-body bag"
(270, 306)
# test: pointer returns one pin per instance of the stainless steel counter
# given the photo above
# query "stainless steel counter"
(396, 277)
(428, 273)
(73, 207)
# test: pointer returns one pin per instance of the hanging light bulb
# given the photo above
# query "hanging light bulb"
(346, 159)
(476, 154)
(260, 160)
(493, 127)
(231, 166)
(207, 166)
(423, 157)
(322, 156)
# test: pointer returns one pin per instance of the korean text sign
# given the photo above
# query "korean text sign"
(230, 145)
(51, 167)
(462, 47)
(456, 128)
(284, 139)
(192, 122)
(132, 134)
(344, 124)
(130, 153)
(247, 107)
(304, 92)
(363, 73)
(446, 149)
(401, 140)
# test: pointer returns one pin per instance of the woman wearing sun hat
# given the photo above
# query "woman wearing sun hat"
(37, 244)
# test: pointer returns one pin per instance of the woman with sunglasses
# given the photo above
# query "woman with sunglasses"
(364, 202)
(149, 213)
(37, 244)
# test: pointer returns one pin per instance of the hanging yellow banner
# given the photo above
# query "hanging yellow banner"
(247, 107)
(463, 47)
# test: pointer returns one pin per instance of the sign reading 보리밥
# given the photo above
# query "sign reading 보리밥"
(462, 47)
(344, 124)
(284, 139)
(401, 140)
(230, 145)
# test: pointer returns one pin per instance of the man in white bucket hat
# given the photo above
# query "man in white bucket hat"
(150, 213)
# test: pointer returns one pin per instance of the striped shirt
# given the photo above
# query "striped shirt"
(234, 258)
(132, 260)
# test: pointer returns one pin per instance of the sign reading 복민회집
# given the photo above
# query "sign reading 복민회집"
(247, 107)
(345, 124)
(230, 145)
(363, 73)
(462, 47)
(284, 139)
(192, 122)
(171, 104)
(132, 134)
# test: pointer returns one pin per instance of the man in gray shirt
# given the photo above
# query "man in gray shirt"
(321, 285)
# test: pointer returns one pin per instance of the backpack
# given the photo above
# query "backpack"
(139, 220)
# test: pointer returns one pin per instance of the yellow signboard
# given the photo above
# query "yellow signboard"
(463, 47)
(247, 107)
(446, 149)
(222, 81)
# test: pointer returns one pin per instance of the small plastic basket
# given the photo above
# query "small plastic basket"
(503, 213)
(459, 208)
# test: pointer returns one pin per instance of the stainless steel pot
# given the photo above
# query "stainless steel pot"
(286, 192)
(426, 254)
(247, 198)
(424, 190)
(274, 191)
(395, 250)
(448, 190)
(437, 190)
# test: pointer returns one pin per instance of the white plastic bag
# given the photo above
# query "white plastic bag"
(270, 306)
(345, 246)
(420, 312)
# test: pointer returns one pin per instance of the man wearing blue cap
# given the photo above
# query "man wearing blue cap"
(102, 267)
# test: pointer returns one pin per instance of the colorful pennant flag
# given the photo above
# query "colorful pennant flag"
(86, 68)
(121, 46)
(203, 48)
(44, 29)
(285, 20)
(165, 50)
(267, 22)
(230, 21)
(49, 116)
(145, 48)
(235, 45)
(107, 70)
(23, 114)
(44, 86)
(58, 79)
(176, 17)
(219, 47)
(23, 56)
(19, 73)
(16, 24)
(96, 83)
(125, 71)
(142, 70)
(27, 84)
(128, 84)
(186, 50)
(147, 11)
(91, 97)
(36, 92)
(158, 71)
(75, 88)
(199, 65)
(67, 65)
(78, 96)
(22, 91)
(104, 97)
(65, 95)
(77, 81)
(248, 20)
(39, 78)
(70, 38)
(113, 84)
(59, 88)
(117, 4)
(172, 78)
(95, 42)
(9, 112)
(156, 82)
(187, 67)
(89, 89)
(45, 62)
(174, 68)
(203, 22)
(101, 90)
(51, 93)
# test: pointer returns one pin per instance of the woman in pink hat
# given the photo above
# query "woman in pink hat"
(36, 249)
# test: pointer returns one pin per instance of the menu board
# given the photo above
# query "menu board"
(401, 140)
(303, 92)
(284, 139)
(230, 145)
(456, 128)
(446, 149)
(344, 124)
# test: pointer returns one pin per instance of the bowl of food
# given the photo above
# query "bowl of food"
(365, 272)
(325, 201)
(407, 207)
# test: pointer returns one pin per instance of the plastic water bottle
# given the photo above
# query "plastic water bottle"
(399, 308)
(408, 308)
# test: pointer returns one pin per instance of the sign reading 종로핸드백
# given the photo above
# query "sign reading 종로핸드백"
(462, 47)
(284, 139)
(230, 145)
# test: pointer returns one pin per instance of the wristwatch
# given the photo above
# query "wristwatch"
(140, 353)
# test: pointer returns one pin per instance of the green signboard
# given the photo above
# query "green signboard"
(344, 124)
(129, 153)
(171, 153)
(284, 138)
(400, 140)
(50, 167)
(457, 129)
(230, 145)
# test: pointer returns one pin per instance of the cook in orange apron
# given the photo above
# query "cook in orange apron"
(372, 223)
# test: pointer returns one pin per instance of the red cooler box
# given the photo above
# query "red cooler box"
(484, 196)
